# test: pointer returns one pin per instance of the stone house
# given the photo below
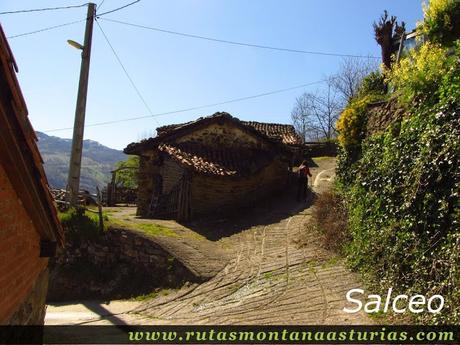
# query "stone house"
(29, 227)
(214, 164)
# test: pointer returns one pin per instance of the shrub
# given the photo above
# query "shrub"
(346, 164)
(450, 84)
(79, 224)
(419, 74)
(351, 123)
(330, 217)
(404, 207)
(373, 83)
(442, 21)
(402, 189)
(329, 223)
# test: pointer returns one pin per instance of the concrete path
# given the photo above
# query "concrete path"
(88, 312)
(268, 280)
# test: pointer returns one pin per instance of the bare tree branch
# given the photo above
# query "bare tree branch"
(314, 115)
(348, 79)
(387, 32)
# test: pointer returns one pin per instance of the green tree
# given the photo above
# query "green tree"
(127, 172)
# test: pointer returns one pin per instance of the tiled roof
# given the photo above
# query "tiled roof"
(285, 133)
(168, 128)
(216, 161)
(275, 134)
(281, 132)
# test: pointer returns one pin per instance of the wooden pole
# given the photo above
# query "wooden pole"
(99, 209)
(79, 124)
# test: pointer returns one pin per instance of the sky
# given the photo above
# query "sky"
(174, 72)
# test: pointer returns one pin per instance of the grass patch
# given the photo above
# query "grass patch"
(331, 262)
(268, 275)
(150, 229)
(322, 158)
(154, 294)
(81, 224)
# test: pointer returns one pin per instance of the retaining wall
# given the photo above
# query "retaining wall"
(121, 263)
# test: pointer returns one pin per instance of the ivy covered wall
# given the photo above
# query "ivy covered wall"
(402, 183)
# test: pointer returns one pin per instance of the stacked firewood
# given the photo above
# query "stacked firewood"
(84, 198)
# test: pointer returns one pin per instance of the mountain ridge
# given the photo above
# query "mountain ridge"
(97, 161)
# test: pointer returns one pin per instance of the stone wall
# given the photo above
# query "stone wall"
(147, 170)
(121, 263)
(171, 173)
(381, 115)
(211, 195)
(311, 150)
(227, 134)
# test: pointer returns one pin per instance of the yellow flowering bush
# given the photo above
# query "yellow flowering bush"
(442, 20)
(420, 72)
(351, 122)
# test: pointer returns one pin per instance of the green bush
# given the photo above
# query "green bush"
(404, 207)
(442, 21)
(418, 75)
(403, 185)
(374, 83)
(80, 224)
(128, 177)
(450, 83)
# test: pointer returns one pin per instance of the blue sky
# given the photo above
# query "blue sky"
(174, 72)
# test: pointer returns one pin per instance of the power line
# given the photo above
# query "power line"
(124, 69)
(46, 29)
(44, 9)
(118, 8)
(193, 108)
(238, 43)
(100, 5)
(61, 25)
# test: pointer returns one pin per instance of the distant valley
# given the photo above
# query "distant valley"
(97, 163)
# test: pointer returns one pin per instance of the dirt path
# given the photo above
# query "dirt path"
(269, 279)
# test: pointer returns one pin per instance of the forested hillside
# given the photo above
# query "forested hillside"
(98, 160)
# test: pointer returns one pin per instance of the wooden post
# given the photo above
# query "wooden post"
(79, 124)
(401, 47)
(99, 207)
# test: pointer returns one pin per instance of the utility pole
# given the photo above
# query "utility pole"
(79, 124)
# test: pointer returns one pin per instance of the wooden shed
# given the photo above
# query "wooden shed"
(29, 227)
(214, 164)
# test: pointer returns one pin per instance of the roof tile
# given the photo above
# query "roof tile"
(217, 161)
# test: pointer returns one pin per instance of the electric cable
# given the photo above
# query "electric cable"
(118, 8)
(177, 33)
(45, 29)
(125, 70)
(193, 108)
(44, 9)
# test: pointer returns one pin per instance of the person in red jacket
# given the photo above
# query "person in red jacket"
(302, 184)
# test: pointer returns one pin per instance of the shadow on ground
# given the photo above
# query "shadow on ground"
(264, 212)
